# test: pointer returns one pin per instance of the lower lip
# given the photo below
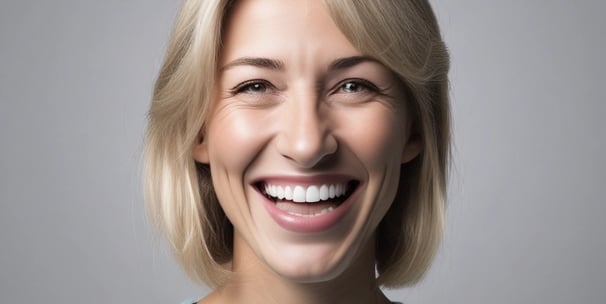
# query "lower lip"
(312, 224)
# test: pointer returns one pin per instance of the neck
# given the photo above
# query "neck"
(254, 282)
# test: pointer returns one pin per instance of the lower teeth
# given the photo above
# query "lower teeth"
(323, 211)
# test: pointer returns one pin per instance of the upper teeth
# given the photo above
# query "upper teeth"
(308, 194)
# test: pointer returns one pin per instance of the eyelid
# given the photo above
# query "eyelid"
(368, 84)
(237, 88)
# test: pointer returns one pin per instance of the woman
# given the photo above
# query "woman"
(297, 150)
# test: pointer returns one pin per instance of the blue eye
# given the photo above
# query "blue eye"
(252, 87)
(352, 87)
(356, 86)
(354, 91)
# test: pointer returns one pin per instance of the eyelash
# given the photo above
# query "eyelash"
(247, 85)
(363, 83)
(265, 85)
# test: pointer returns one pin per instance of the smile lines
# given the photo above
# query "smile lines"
(306, 194)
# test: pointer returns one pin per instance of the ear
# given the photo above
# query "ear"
(412, 148)
(200, 151)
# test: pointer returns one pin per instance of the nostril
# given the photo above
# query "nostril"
(305, 132)
(307, 151)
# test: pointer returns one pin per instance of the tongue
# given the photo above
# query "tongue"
(305, 208)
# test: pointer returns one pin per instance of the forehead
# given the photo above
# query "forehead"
(282, 29)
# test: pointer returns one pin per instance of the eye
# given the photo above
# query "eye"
(354, 91)
(255, 92)
(252, 87)
(350, 86)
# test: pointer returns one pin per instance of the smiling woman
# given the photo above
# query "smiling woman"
(296, 148)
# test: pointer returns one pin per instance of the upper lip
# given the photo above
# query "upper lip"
(308, 180)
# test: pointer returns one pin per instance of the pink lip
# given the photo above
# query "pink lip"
(313, 224)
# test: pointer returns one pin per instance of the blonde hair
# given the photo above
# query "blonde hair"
(403, 35)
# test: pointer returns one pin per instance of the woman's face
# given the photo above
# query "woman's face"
(305, 139)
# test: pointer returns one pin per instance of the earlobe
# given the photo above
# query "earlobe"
(200, 152)
(412, 149)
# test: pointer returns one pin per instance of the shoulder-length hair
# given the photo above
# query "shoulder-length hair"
(403, 35)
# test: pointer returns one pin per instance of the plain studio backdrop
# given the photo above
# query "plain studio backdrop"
(526, 210)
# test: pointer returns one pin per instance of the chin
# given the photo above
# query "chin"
(315, 263)
(311, 272)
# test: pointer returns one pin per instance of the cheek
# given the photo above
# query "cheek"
(376, 137)
(377, 140)
(236, 136)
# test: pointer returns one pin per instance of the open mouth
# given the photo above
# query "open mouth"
(307, 200)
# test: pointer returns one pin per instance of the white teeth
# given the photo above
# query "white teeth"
(306, 194)
(312, 194)
(324, 192)
(298, 196)
(323, 211)
(288, 193)
(331, 191)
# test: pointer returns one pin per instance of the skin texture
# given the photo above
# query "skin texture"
(296, 103)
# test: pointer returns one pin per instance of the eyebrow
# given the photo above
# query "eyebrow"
(274, 64)
(348, 62)
(267, 63)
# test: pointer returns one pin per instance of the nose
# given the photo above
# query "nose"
(305, 136)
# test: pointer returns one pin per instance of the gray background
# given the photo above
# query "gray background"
(525, 216)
